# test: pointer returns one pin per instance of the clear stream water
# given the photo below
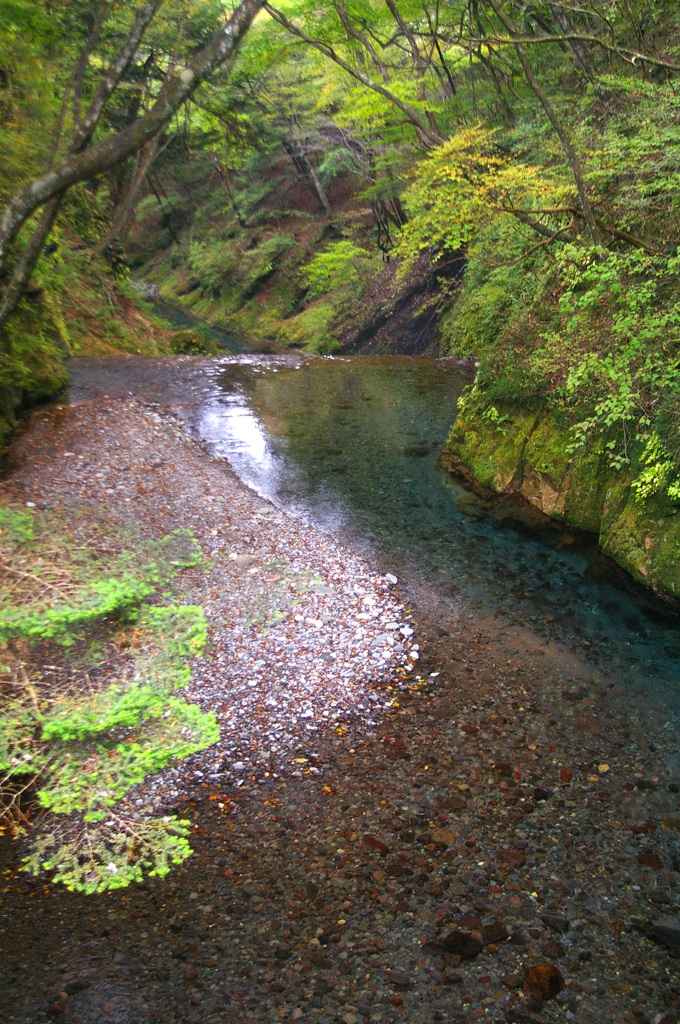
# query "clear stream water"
(351, 444)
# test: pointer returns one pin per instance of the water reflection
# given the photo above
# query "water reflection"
(352, 445)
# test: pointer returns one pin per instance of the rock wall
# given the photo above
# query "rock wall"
(527, 452)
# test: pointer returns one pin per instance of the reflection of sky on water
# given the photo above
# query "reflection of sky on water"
(236, 434)
(352, 446)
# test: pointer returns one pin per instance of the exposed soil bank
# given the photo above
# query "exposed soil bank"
(517, 810)
(528, 453)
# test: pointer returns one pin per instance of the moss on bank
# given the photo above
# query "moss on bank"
(76, 307)
(527, 451)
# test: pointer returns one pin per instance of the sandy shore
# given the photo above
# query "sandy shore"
(368, 846)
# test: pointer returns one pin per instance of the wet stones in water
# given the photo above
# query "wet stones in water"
(542, 982)
(417, 450)
(556, 923)
(667, 931)
(463, 942)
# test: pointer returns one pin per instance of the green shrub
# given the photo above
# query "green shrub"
(343, 263)
(78, 740)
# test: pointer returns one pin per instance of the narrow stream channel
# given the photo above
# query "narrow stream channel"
(351, 444)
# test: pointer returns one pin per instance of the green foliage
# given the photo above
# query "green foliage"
(111, 855)
(312, 329)
(77, 590)
(492, 414)
(192, 343)
(93, 774)
(475, 319)
(659, 473)
(16, 525)
(81, 741)
(622, 385)
(459, 187)
(341, 264)
(32, 371)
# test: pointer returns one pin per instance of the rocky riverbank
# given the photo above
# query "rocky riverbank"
(477, 826)
(527, 452)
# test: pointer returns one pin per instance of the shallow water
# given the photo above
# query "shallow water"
(352, 444)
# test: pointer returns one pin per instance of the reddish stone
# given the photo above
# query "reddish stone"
(557, 923)
(590, 726)
(443, 836)
(513, 858)
(543, 982)
(649, 859)
(462, 943)
(470, 922)
(495, 932)
(376, 844)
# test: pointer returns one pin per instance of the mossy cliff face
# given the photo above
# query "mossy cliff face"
(527, 452)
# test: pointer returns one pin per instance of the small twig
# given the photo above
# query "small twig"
(539, 245)
(29, 576)
(29, 686)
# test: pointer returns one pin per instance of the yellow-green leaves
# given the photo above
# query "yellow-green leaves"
(459, 186)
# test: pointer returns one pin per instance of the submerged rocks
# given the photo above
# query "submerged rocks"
(462, 942)
(543, 982)
(556, 923)
(667, 931)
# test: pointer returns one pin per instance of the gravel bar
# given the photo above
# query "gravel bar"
(473, 827)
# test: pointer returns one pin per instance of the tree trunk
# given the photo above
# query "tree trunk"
(301, 159)
(570, 153)
(21, 274)
(125, 211)
(83, 132)
(106, 154)
(580, 50)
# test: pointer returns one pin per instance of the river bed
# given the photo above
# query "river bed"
(351, 444)
(401, 851)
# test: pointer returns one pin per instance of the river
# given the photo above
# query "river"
(351, 444)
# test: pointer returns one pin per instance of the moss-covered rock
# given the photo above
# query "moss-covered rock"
(474, 320)
(192, 343)
(492, 449)
(528, 452)
(644, 537)
(31, 371)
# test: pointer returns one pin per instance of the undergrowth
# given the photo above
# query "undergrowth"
(88, 708)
